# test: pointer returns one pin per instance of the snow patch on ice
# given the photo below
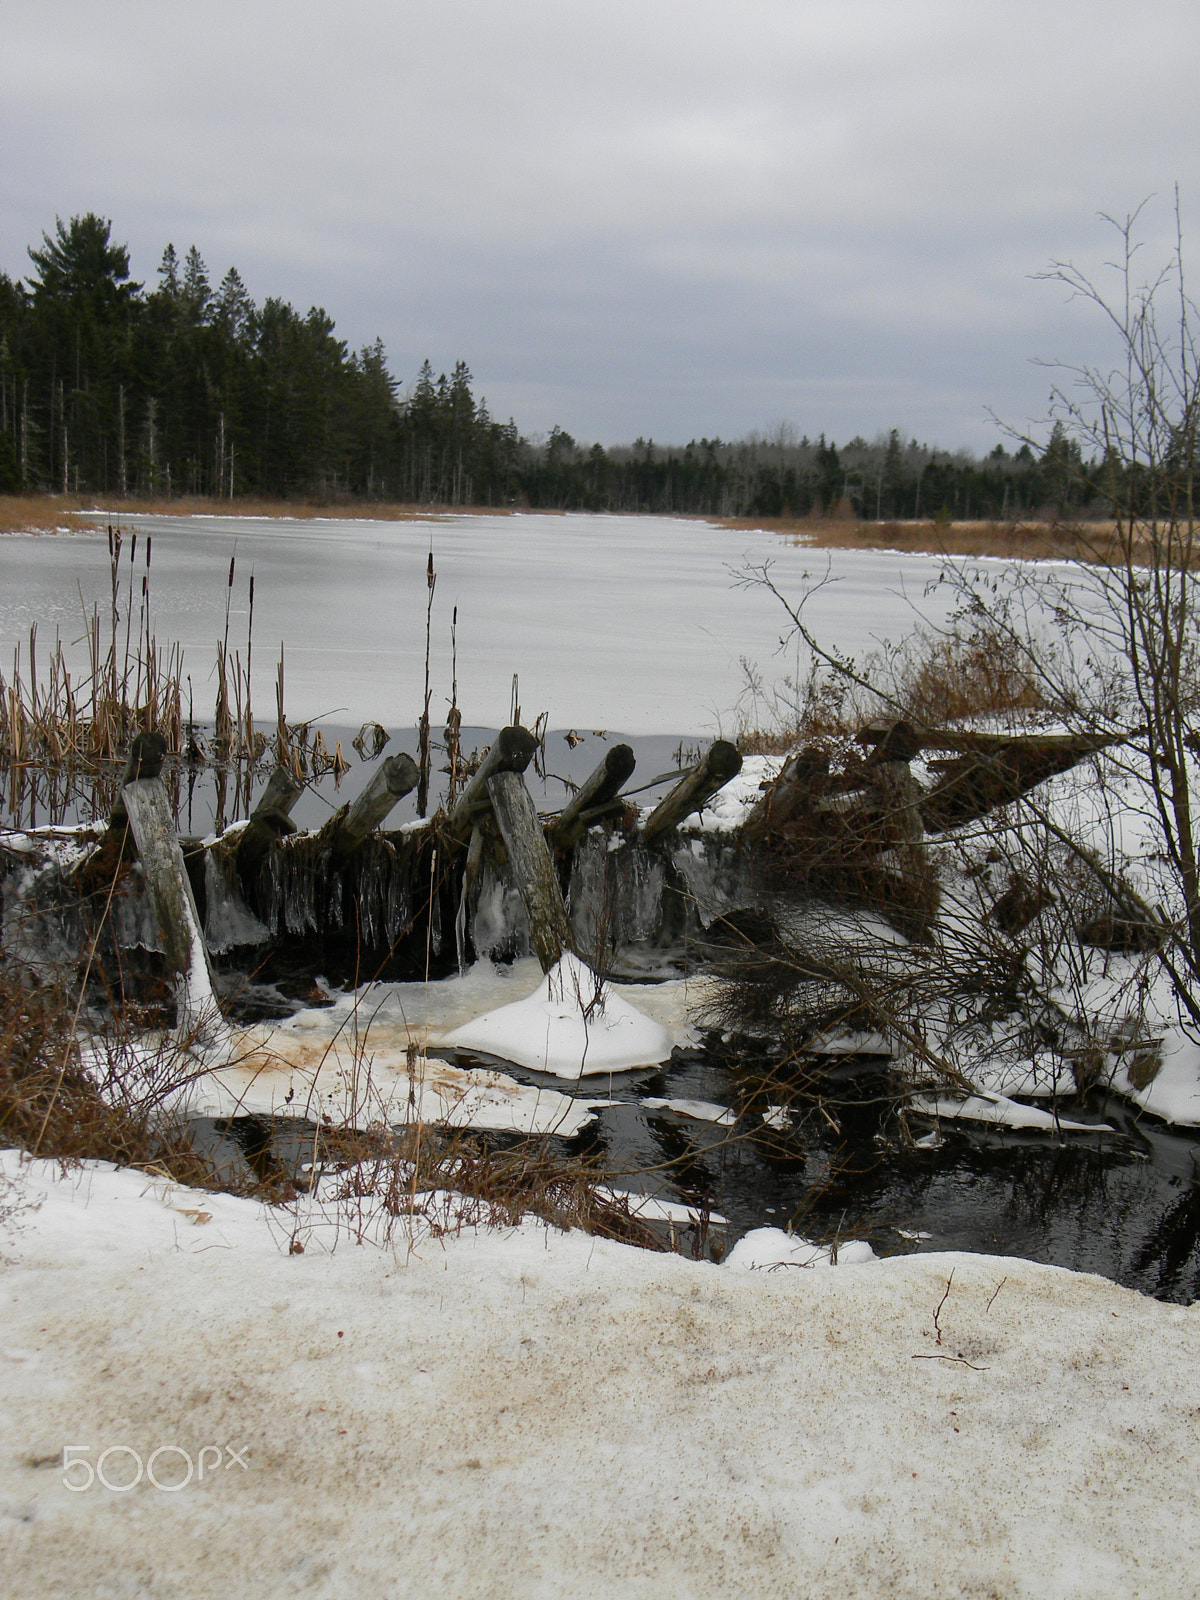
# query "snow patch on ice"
(1003, 1111)
(700, 1110)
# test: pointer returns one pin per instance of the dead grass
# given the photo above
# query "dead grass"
(935, 679)
(51, 1106)
(1024, 541)
(44, 513)
(49, 513)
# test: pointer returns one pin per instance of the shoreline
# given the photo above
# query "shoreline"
(50, 514)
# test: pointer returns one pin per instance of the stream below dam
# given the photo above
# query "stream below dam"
(1124, 1204)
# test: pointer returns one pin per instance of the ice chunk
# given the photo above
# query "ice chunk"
(701, 1110)
(1007, 1113)
(570, 1026)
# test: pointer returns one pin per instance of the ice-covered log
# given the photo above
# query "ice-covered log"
(269, 821)
(153, 827)
(721, 764)
(395, 778)
(592, 797)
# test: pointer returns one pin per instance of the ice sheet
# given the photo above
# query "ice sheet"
(666, 627)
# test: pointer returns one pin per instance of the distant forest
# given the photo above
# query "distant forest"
(110, 388)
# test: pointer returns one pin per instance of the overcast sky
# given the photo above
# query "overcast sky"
(669, 218)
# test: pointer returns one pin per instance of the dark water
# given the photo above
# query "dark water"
(207, 798)
(1125, 1205)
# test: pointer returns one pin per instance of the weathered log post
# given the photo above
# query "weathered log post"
(593, 797)
(720, 765)
(390, 782)
(147, 752)
(512, 752)
(896, 798)
(153, 827)
(98, 872)
(798, 784)
(269, 821)
(532, 865)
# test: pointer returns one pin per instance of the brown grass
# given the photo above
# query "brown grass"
(1026, 541)
(51, 1106)
(48, 513)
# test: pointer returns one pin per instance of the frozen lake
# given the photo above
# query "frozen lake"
(636, 624)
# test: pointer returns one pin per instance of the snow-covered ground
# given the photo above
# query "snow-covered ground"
(530, 1413)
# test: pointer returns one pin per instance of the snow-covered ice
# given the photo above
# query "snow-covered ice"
(698, 1110)
(1002, 1111)
(667, 627)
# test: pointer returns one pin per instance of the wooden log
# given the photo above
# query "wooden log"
(966, 741)
(895, 796)
(269, 821)
(153, 827)
(512, 752)
(390, 782)
(797, 786)
(146, 754)
(693, 790)
(532, 865)
(283, 789)
(598, 791)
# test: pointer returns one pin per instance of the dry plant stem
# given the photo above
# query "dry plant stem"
(71, 1038)
(423, 742)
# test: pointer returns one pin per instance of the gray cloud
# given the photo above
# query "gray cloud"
(659, 220)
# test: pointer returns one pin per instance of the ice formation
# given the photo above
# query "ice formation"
(572, 1026)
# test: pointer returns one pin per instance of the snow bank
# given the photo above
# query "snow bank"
(536, 1413)
(348, 1082)
(568, 1027)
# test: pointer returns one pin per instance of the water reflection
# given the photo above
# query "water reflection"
(1125, 1205)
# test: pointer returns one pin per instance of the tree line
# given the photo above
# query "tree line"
(112, 388)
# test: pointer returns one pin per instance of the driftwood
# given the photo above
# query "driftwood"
(692, 791)
(976, 782)
(894, 800)
(801, 780)
(863, 834)
(152, 824)
(532, 865)
(592, 799)
(988, 769)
